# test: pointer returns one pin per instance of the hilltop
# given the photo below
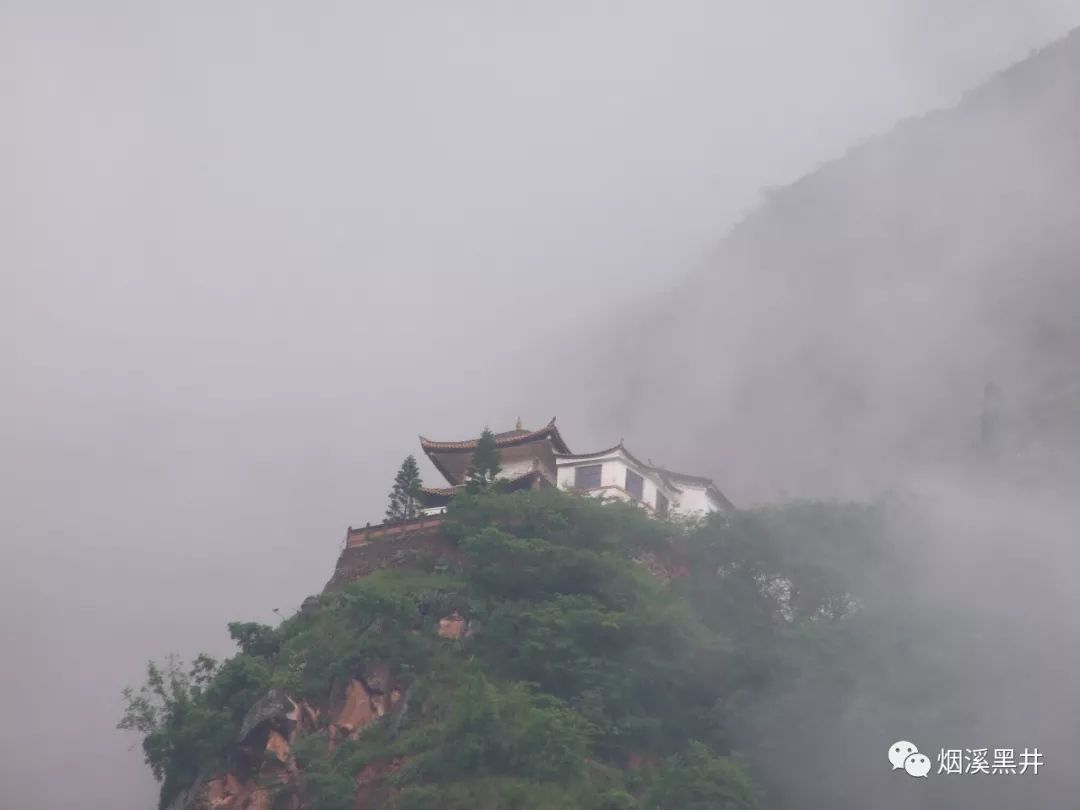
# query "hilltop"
(553, 651)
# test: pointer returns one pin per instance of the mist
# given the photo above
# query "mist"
(902, 323)
(259, 247)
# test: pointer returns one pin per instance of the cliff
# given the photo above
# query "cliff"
(535, 650)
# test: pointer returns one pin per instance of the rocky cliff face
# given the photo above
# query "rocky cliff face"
(389, 687)
(266, 774)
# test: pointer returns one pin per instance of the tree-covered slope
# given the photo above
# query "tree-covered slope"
(579, 654)
(844, 335)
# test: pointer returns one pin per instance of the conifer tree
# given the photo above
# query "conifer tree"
(485, 466)
(404, 497)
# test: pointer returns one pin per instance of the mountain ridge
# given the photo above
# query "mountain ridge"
(842, 335)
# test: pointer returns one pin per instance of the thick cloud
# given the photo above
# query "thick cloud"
(259, 246)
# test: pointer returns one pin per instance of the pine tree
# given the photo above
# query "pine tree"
(485, 466)
(404, 498)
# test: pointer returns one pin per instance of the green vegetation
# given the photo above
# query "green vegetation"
(585, 680)
(486, 463)
(188, 718)
(404, 497)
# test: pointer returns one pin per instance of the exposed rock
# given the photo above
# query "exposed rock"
(274, 705)
(453, 626)
(275, 775)
(648, 762)
(278, 747)
(262, 799)
(310, 606)
(371, 778)
(378, 770)
(302, 718)
(357, 710)
(422, 550)
(336, 699)
(401, 707)
(226, 793)
(376, 676)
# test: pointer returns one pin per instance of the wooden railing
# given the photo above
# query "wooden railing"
(366, 534)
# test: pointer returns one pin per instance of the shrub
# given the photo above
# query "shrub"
(697, 779)
(512, 730)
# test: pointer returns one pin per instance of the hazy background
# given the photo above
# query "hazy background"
(259, 246)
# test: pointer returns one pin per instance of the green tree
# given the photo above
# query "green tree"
(405, 496)
(254, 639)
(579, 660)
(485, 467)
(180, 731)
(697, 779)
(512, 729)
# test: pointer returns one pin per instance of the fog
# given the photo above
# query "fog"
(260, 246)
(904, 319)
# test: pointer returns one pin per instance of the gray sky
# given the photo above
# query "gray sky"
(260, 246)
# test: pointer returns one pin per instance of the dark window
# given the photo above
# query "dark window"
(661, 505)
(587, 477)
(635, 485)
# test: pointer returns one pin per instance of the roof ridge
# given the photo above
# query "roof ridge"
(503, 439)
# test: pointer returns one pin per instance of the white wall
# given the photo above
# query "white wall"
(696, 500)
(693, 500)
(613, 478)
(512, 469)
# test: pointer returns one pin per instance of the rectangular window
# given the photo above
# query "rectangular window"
(661, 505)
(587, 477)
(635, 485)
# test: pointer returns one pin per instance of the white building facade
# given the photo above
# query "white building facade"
(617, 473)
(540, 458)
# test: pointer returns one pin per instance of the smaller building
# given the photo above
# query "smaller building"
(616, 472)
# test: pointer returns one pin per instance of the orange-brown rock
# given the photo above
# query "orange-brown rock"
(376, 677)
(380, 703)
(379, 770)
(261, 799)
(294, 717)
(452, 626)
(278, 747)
(649, 762)
(371, 778)
(357, 710)
(226, 792)
(301, 717)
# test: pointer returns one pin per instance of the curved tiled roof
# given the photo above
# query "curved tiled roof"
(603, 452)
(510, 438)
(450, 492)
(454, 490)
(699, 480)
(620, 447)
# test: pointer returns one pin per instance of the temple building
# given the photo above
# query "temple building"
(541, 458)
